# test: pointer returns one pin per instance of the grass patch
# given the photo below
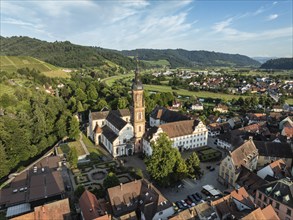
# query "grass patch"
(157, 63)
(289, 101)
(65, 148)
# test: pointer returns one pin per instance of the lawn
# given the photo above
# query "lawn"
(95, 154)
(65, 148)
(208, 154)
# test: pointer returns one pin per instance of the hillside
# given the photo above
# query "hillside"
(281, 63)
(62, 54)
(13, 63)
(184, 58)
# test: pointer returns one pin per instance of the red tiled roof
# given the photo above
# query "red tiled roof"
(240, 155)
(90, 206)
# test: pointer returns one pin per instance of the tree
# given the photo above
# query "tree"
(72, 157)
(80, 95)
(193, 165)
(79, 191)
(165, 165)
(111, 180)
(73, 128)
(92, 92)
(102, 104)
(122, 103)
(79, 107)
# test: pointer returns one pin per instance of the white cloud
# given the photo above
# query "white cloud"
(272, 17)
(274, 3)
(220, 26)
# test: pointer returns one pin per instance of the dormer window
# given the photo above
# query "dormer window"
(269, 189)
(286, 198)
(277, 193)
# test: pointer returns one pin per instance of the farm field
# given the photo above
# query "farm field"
(183, 92)
(12, 63)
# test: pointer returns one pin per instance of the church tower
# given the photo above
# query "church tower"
(138, 114)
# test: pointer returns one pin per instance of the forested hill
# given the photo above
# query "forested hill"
(185, 58)
(63, 54)
(281, 63)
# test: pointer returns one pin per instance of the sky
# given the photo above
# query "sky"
(249, 27)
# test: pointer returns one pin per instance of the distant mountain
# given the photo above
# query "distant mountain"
(184, 58)
(281, 63)
(263, 59)
(63, 54)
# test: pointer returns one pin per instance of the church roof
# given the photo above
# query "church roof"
(116, 121)
(109, 134)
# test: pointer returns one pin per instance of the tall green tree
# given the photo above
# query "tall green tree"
(72, 157)
(122, 103)
(73, 132)
(193, 165)
(166, 165)
(92, 92)
(111, 180)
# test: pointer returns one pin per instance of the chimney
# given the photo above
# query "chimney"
(43, 209)
(121, 186)
(135, 180)
(250, 138)
(192, 213)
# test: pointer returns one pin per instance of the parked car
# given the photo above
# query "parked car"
(191, 198)
(212, 168)
(188, 202)
(184, 203)
(179, 205)
(208, 167)
(198, 195)
(175, 207)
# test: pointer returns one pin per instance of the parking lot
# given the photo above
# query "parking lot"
(192, 186)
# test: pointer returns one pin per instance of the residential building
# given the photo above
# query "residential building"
(40, 184)
(162, 115)
(250, 181)
(230, 167)
(188, 134)
(277, 108)
(197, 106)
(221, 108)
(229, 140)
(214, 129)
(275, 170)
(288, 133)
(286, 122)
(56, 210)
(140, 198)
(237, 204)
(266, 213)
(187, 214)
(253, 118)
(235, 122)
(271, 151)
(91, 208)
(279, 194)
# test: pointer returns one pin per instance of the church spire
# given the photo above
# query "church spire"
(137, 84)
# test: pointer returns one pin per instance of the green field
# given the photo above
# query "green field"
(184, 92)
(13, 63)
(110, 80)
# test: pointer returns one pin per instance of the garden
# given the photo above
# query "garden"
(207, 154)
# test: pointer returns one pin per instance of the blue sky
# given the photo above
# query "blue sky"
(249, 27)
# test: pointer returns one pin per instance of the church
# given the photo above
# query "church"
(121, 131)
